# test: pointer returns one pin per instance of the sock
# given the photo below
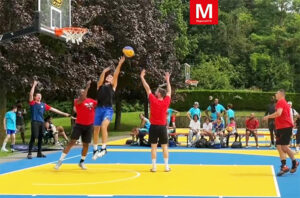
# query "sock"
(103, 146)
(4, 145)
(154, 164)
(62, 157)
(294, 163)
(82, 159)
(95, 146)
(166, 163)
(283, 163)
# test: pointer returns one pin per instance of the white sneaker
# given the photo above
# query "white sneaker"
(153, 170)
(82, 166)
(246, 147)
(95, 155)
(257, 147)
(168, 169)
(102, 152)
(4, 150)
(57, 166)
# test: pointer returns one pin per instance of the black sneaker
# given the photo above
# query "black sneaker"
(41, 155)
(29, 156)
(294, 167)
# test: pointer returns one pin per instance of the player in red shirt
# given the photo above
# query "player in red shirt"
(252, 125)
(159, 104)
(85, 109)
(284, 127)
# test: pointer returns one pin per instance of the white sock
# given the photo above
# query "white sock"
(4, 145)
(83, 157)
(62, 157)
(103, 146)
(297, 148)
(166, 163)
(154, 164)
(95, 147)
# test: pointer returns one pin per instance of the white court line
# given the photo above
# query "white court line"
(100, 195)
(275, 182)
(41, 164)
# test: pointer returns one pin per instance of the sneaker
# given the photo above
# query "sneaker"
(294, 168)
(102, 152)
(12, 150)
(4, 150)
(82, 166)
(40, 155)
(257, 147)
(284, 169)
(95, 154)
(167, 169)
(153, 170)
(297, 151)
(272, 147)
(29, 156)
(57, 166)
(246, 147)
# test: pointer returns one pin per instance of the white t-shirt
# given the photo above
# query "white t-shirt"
(207, 127)
(195, 125)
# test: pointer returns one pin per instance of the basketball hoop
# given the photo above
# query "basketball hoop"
(192, 82)
(73, 34)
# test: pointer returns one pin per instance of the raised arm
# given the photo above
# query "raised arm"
(101, 79)
(167, 78)
(80, 100)
(145, 84)
(32, 90)
(117, 72)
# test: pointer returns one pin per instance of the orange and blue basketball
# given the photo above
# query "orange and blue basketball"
(128, 51)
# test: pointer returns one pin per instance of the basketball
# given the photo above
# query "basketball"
(128, 51)
(229, 129)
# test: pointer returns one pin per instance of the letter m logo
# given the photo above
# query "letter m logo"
(203, 12)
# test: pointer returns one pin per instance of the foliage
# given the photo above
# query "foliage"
(241, 99)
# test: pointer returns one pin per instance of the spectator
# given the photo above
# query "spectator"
(173, 120)
(194, 111)
(271, 121)
(232, 130)
(207, 129)
(20, 121)
(252, 125)
(54, 131)
(170, 113)
(294, 113)
(298, 133)
(194, 129)
(138, 134)
(215, 108)
(218, 128)
(230, 113)
(9, 124)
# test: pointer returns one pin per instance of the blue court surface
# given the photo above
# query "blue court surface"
(124, 172)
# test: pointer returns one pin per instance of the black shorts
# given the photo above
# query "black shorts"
(158, 133)
(283, 136)
(252, 132)
(85, 131)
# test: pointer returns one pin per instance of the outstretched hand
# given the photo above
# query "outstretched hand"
(167, 76)
(35, 82)
(143, 73)
(122, 60)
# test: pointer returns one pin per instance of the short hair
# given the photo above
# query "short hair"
(37, 93)
(219, 118)
(14, 107)
(141, 114)
(282, 91)
(196, 116)
(162, 92)
(232, 118)
(230, 106)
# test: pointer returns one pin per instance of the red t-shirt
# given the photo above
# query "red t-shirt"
(285, 120)
(173, 118)
(85, 111)
(158, 110)
(252, 124)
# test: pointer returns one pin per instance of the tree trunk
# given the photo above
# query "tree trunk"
(146, 108)
(2, 110)
(118, 112)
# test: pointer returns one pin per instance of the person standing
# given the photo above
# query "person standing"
(38, 109)
(271, 121)
(9, 123)
(284, 127)
(215, 109)
(159, 104)
(85, 109)
(106, 89)
(230, 113)
(20, 121)
(194, 111)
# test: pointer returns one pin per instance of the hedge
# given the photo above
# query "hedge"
(241, 99)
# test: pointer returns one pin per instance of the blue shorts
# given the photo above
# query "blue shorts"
(103, 113)
(10, 132)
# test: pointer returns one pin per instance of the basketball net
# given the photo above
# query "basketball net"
(73, 34)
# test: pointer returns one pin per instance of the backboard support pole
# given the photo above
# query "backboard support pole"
(29, 30)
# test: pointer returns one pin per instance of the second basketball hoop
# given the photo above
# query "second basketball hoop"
(73, 34)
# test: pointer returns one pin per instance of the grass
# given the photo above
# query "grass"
(5, 154)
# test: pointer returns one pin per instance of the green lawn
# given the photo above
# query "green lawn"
(4, 154)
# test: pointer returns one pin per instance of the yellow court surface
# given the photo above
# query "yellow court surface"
(136, 179)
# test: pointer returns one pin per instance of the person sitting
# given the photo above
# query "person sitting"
(53, 131)
(218, 128)
(207, 129)
(252, 125)
(138, 134)
(194, 130)
(232, 130)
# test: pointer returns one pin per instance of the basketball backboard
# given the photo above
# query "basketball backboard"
(187, 71)
(54, 14)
